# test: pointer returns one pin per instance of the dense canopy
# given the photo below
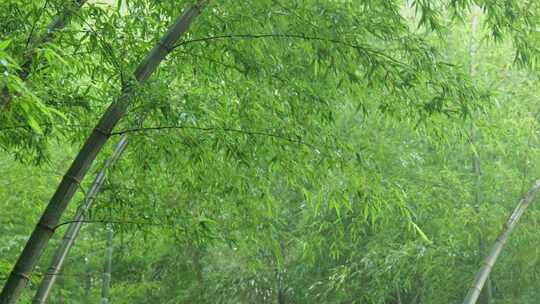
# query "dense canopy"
(268, 151)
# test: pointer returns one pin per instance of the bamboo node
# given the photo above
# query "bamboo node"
(73, 179)
(102, 132)
(23, 275)
(165, 47)
(477, 288)
(47, 227)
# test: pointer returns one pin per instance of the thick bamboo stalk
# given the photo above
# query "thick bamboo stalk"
(491, 258)
(72, 231)
(48, 222)
(107, 268)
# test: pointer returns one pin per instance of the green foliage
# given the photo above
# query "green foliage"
(286, 152)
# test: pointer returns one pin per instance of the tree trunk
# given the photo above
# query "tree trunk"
(491, 258)
(107, 268)
(48, 222)
(72, 231)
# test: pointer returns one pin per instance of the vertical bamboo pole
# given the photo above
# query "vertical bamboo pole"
(475, 158)
(107, 268)
(87, 282)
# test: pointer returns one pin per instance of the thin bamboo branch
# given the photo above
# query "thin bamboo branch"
(491, 258)
(360, 48)
(116, 222)
(212, 129)
(44, 230)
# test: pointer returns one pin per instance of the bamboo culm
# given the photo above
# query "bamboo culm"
(73, 229)
(475, 158)
(491, 258)
(48, 222)
(107, 268)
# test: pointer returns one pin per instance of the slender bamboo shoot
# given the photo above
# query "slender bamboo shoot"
(491, 258)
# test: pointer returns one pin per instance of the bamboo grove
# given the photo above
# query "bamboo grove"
(269, 151)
